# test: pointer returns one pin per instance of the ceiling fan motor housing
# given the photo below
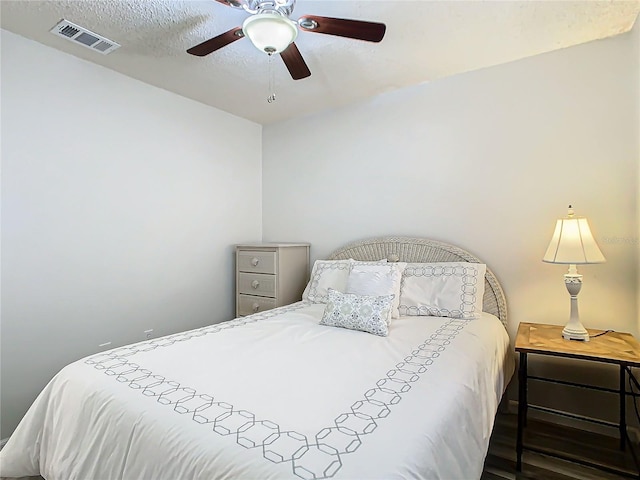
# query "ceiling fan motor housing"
(283, 7)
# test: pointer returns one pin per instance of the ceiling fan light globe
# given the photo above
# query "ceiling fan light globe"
(270, 32)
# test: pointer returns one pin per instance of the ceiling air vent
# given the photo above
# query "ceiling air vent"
(84, 37)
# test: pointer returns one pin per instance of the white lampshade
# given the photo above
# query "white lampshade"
(270, 32)
(573, 243)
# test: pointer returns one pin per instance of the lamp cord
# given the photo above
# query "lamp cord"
(601, 333)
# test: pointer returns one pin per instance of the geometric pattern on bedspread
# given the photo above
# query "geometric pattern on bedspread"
(316, 459)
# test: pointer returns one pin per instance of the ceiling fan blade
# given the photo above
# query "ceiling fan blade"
(342, 27)
(296, 65)
(216, 43)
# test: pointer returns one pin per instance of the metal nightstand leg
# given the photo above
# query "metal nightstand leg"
(522, 407)
(623, 409)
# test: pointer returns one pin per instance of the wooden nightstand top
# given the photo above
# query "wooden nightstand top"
(612, 347)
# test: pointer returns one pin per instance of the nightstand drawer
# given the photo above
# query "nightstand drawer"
(256, 261)
(248, 304)
(260, 284)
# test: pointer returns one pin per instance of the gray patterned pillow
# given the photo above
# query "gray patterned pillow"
(367, 313)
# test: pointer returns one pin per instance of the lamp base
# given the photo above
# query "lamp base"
(575, 334)
(574, 330)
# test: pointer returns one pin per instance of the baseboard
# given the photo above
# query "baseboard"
(2, 442)
(634, 432)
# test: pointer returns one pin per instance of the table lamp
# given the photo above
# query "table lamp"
(572, 243)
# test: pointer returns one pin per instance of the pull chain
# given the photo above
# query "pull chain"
(272, 89)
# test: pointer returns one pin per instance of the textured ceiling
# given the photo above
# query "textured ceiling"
(425, 40)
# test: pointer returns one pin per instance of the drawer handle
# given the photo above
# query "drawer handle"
(255, 261)
(255, 284)
(256, 307)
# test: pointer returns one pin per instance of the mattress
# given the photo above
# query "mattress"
(272, 396)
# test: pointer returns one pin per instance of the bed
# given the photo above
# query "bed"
(277, 395)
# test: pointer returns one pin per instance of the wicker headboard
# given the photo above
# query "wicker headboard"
(407, 249)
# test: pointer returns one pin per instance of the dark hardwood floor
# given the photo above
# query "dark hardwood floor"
(501, 459)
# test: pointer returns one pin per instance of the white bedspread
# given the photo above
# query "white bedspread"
(273, 396)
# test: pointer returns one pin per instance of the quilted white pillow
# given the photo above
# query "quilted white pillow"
(367, 313)
(368, 262)
(377, 280)
(447, 289)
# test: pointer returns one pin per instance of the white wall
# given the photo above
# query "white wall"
(121, 203)
(487, 160)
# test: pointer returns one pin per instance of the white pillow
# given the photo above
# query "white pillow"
(324, 275)
(446, 289)
(330, 274)
(367, 313)
(377, 279)
(368, 262)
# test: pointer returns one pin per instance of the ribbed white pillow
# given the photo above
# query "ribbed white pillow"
(377, 280)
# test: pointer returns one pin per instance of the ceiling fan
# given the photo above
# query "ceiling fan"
(271, 31)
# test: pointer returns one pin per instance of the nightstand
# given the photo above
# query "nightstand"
(617, 348)
(270, 275)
